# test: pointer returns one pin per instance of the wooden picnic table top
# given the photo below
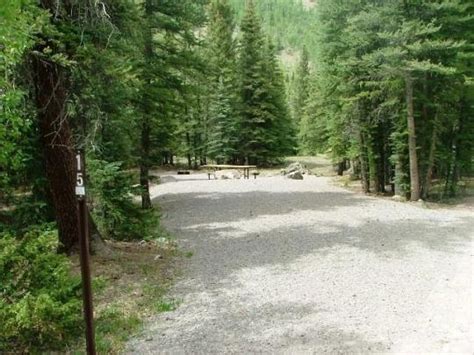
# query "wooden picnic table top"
(227, 166)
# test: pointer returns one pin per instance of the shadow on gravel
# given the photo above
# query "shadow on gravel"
(219, 223)
(283, 246)
(269, 328)
(195, 208)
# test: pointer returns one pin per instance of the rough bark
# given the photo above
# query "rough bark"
(146, 127)
(145, 164)
(397, 183)
(188, 154)
(58, 149)
(51, 94)
(364, 168)
(414, 173)
(381, 160)
(431, 161)
(452, 173)
(340, 168)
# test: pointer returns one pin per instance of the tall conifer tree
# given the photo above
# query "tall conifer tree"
(222, 88)
(265, 126)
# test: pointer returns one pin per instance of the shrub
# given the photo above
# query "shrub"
(40, 304)
(116, 213)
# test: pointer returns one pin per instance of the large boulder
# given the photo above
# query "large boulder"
(227, 174)
(295, 175)
(295, 171)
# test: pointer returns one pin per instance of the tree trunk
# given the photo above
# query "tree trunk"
(58, 149)
(364, 168)
(340, 168)
(381, 160)
(452, 173)
(431, 160)
(414, 173)
(145, 164)
(146, 127)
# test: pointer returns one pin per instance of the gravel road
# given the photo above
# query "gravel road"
(283, 266)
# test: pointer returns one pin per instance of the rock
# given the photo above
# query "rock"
(227, 174)
(398, 198)
(294, 167)
(295, 175)
(295, 171)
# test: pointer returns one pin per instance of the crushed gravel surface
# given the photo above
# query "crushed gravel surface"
(285, 266)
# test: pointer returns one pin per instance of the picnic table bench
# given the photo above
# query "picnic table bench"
(216, 167)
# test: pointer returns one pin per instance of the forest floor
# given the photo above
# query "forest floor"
(130, 283)
(291, 266)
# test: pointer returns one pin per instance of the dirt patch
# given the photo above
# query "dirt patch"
(130, 285)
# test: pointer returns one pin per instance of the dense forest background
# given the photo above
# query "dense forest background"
(382, 87)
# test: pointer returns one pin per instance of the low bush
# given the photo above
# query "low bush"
(40, 304)
(117, 214)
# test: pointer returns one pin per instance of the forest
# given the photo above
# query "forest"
(382, 88)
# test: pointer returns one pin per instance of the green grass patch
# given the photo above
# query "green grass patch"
(129, 286)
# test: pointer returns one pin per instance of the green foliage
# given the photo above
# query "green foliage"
(288, 22)
(224, 119)
(114, 327)
(223, 135)
(40, 305)
(115, 212)
(19, 22)
(265, 128)
(367, 52)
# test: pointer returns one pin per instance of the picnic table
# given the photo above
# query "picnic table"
(216, 167)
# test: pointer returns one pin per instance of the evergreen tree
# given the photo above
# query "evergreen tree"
(168, 35)
(301, 86)
(222, 88)
(391, 91)
(282, 129)
(223, 124)
(254, 89)
(265, 131)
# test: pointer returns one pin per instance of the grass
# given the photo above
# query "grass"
(166, 306)
(130, 285)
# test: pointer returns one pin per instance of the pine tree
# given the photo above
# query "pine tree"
(255, 119)
(168, 35)
(266, 130)
(222, 86)
(223, 124)
(281, 132)
(301, 86)
(313, 130)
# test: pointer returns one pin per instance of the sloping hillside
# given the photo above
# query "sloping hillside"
(289, 22)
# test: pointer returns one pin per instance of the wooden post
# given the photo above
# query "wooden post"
(84, 252)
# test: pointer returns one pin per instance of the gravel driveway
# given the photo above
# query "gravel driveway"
(283, 266)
